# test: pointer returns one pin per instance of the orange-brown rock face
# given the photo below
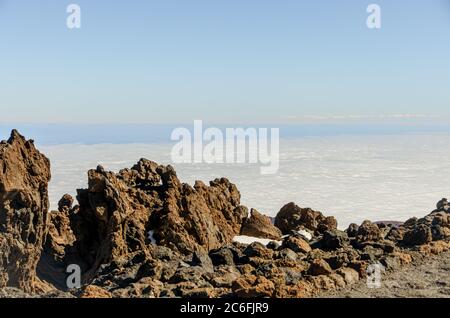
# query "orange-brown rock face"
(123, 213)
(292, 217)
(258, 225)
(24, 177)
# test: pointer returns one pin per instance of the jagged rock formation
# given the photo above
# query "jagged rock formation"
(120, 214)
(24, 176)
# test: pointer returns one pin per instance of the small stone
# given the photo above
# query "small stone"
(334, 239)
(296, 244)
(222, 256)
(320, 267)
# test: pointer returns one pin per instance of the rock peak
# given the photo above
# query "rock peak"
(15, 135)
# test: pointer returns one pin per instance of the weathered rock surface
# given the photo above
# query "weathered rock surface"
(293, 218)
(123, 213)
(258, 225)
(24, 177)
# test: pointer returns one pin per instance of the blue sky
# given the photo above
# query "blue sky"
(246, 61)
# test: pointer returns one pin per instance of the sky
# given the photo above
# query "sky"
(250, 61)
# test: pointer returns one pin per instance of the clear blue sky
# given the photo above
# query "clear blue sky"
(218, 60)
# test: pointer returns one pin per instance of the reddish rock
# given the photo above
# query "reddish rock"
(258, 225)
(320, 267)
(126, 212)
(297, 244)
(249, 286)
(293, 218)
(93, 291)
(368, 232)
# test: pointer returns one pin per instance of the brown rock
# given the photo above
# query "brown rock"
(323, 282)
(257, 249)
(199, 217)
(320, 267)
(123, 213)
(338, 280)
(293, 218)
(65, 203)
(368, 232)
(350, 275)
(297, 244)
(329, 223)
(249, 286)
(24, 177)
(258, 225)
(93, 291)
(302, 289)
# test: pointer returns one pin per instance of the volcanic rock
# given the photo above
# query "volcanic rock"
(368, 232)
(249, 286)
(24, 177)
(258, 250)
(258, 225)
(419, 235)
(352, 230)
(202, 259)
(334, 239)
(320, 267)
(65, 203)
(222, 256)
(292, 217)
(296, 244)
(118, 211)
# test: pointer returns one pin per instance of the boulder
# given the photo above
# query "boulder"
(293, 218)
(418, 235)
(24, 177)
(202, 259)
(334, 239)
(258, 250)
(296, 244)
(258, 225)
(352, 230)
(368, 232)
(350, 275)
(222, 256)
(320, 267)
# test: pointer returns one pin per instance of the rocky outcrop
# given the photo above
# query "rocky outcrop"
(433, 227)
(124, 213)
(258, 225)
(24, 177)
(293, 218)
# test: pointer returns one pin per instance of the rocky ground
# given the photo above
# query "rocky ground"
(426, 277)
(141, 232)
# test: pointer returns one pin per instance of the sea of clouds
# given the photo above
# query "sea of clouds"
(385, 177)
